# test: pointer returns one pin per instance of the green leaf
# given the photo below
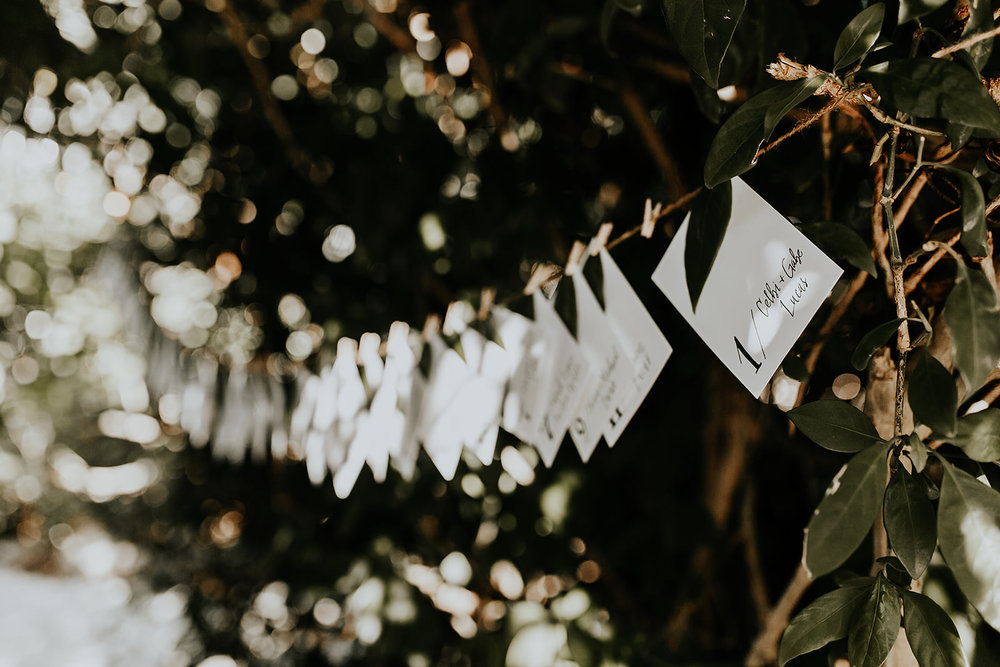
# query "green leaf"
(979, 435)
(835, 425)
(969, 538)
(973, 207)
(565, 304)
(931, 632)
(909, 521)
(841, 242)
(859, 36)
(917, 452)
(872, 341)
(958, 134)
(827, 619)
(937, 88)
(933, 395)
(734, 148)
(633, 7)
(703, 30)
(874, 628)
(974, 320)
(593, 273)
(914, 9)
(845, 514)
(980, 20)
(706, 228)
(795, 368)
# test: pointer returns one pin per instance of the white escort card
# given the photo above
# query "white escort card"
(640, 338)
(612, 370)
(568, 374)
(767, 282)
(526, 344)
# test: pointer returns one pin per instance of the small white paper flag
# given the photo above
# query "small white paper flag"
(527, 346)
(766, 283)
(569, 374)
(612, 380)
(484, 398)
(449, 376)
(639, 336)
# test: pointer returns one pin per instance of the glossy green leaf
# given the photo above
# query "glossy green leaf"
(909, 521)
(875, 626)
(795, 368)
(835, 425)
(826, 619)
(706, 228)
(564, 303)
(703, 30)
(980, 20)
(933, 395)
(735, 146)
(917, 452)
(932, 634)
(593, 273)
(914, 9)
(979, 435)
(969, 538)
(974, 320)
(841, 242)
(846, 513)
(937, 88)
(872, 341)
(973, 208)
(859, 36)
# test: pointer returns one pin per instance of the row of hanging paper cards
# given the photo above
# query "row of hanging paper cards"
(542, 380)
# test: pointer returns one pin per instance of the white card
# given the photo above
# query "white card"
(612, 370)
(484, 396)
(638, 335)
(401, 371)
(570, 376)
(448, 377)
(767, 282)
(527, 347)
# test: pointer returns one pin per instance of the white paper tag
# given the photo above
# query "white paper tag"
(401, 372)
(570, 376)
(612, 370)
(484, 394)
(448, 377)
(526, 345)
(767, 282)
(638, 335)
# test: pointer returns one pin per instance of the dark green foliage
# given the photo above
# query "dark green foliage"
(858, 37)
(910, 521)
(845, 514)
(932, 395)
(707, 226)
(734, 149)
(703, 30)
(836, 425)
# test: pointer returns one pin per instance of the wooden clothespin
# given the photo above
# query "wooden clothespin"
(649, 217)
(431, 326)
(601, 238)
(454, 318)
(541, 274)
(486, 298)
(575, 255)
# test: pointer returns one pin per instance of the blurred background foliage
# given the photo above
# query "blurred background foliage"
(280, 173)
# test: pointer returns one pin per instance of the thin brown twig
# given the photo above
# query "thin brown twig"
(764, 650)
(967, 42)
(654, 142)
(914, 280)
(470, 35)
(751, 552)
(262, 84)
